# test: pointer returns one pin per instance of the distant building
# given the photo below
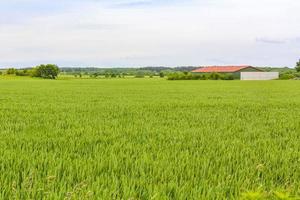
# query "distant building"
(234, 70)
(252, 76)
(245, 72)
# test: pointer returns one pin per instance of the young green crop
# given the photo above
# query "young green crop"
(149, 139)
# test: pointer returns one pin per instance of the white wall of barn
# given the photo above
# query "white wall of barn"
(259, 75)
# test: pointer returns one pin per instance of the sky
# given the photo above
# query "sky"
(136, 33)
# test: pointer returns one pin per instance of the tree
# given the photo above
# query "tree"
(140, 74)
(78, 75)
(95, 75)
(161, 74)
(298, 66)
(49, 71)
(113, 75)
(21, 72)
(11, 71)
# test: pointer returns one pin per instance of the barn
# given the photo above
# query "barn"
(234, 70)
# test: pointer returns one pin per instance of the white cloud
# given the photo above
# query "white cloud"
(136, 33)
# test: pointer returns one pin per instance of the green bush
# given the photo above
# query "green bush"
(77, 75)
(24, 72)
(287, 76)
(176, 76)
(228, 77)
(161, 75)
(20, 73)
(113, 75)
(297, 75)
(205, 76)
(11, 71)
(140, 75)
(298, 66)
(215, 76)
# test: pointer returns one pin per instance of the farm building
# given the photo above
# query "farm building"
(234, 70)
(252, 76)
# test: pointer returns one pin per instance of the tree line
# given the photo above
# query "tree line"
(204, 76)
(51, 71)
(291, 73)
(48, 71)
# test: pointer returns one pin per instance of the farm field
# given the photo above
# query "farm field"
(149, 139)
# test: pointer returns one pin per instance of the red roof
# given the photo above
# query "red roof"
(221, 68)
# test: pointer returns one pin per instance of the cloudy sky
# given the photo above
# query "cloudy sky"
(119, 33)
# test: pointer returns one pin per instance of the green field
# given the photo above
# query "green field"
(149, 139)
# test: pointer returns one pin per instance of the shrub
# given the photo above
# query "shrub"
(215, 76)
(78, 75)
(113, 75)
(140, 75)
(228, 77)
(161, 75)
(95, 75)
(286, 76)
(21, 73)
(176, 76)
(11, 71)
(298, 66)
(297, 75)
(206, 76)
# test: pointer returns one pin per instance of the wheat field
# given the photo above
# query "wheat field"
(149, 139)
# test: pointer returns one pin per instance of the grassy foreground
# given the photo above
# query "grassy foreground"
(149, 139)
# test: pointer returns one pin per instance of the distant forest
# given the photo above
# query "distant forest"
(94, 72)
(126, 71)
(145, 70)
